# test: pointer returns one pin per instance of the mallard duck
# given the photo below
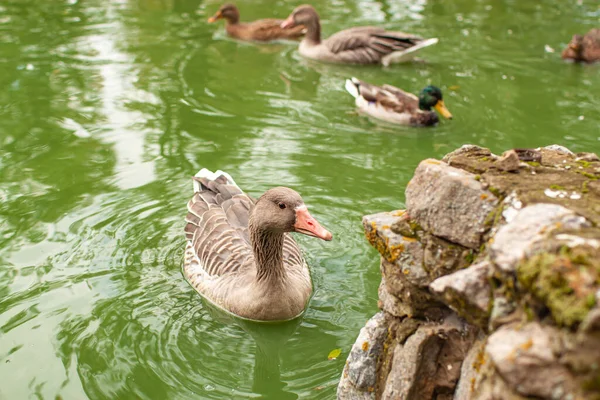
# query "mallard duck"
(584, 48)
(359, 45)
(262, 30)
(394, 105)
(239, 253)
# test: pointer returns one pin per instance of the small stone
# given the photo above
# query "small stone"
(509, 161)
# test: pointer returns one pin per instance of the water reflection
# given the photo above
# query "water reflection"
(107, 109)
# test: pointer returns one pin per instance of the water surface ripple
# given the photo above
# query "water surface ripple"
(108, 107)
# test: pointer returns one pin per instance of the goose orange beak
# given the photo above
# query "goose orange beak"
(215, 17)
(441, 108)
(288, 23)
(307, 225)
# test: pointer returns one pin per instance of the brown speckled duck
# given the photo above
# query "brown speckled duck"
(262, 30)
(584, 48)
(240, 254)
(359, 45)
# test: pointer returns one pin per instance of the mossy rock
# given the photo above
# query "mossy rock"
(566, 282)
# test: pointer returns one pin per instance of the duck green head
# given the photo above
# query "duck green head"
(431, 97)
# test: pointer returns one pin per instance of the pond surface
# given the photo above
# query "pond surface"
(108, 107)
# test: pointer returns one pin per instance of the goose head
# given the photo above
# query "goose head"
(302, 15)
(281, 210)
(227, 11)
(431, 97)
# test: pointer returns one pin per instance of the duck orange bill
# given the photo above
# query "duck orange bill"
(307, 225)
(215, 17)
(441, 108)
(288, 23)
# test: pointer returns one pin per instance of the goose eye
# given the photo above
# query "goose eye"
(282, 205)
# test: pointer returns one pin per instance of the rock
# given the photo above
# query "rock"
(391, 304)
(433, 351)
(471, 158)
(589, 157)
(449, 202)
(360, 373)
(525, 359)
(405, 253)
(558, 149)
(502, 312)
(529, 225)
(563, 279)
(408, 298)
(591, 323)
(441, 257)
(509, 161)
(529, 155)
(467, 291)
(469, 370)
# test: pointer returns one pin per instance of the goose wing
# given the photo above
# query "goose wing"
(368, 45)
(217, 225)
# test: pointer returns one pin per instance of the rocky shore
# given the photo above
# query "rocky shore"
(490, 282)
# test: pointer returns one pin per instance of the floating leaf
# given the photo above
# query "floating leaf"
(333, 354)
(454, 87)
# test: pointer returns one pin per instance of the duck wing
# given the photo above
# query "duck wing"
(368, 45)
(217, 224)
(388, 96)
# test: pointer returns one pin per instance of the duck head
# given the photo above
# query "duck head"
(431, 97)
(282, 210)
(228, 12)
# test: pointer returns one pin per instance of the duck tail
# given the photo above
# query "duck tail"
(352, 86)
(205, 174)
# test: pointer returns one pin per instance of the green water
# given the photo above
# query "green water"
(108, 107)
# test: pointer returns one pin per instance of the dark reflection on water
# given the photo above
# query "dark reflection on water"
(108, 107)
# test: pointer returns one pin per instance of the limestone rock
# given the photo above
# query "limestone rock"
(404, 252)
(529, 225)
(409, 299)
(449, 203)
(433, 351)
(469, 371)
(441, 257)
(467, 291)
(509, 161)
(360, 373)
(525, 359)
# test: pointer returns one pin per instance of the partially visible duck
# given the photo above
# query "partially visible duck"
(360, 45)
(240, 254)
(394, 105)
(262, 30)
(584, 48)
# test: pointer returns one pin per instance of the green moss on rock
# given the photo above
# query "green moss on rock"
(566, 282)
